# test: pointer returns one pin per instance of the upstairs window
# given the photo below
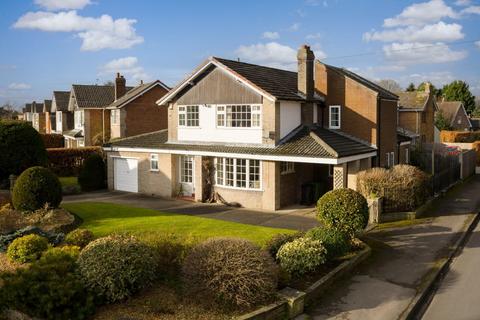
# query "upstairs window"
(188, 116)
(239, 116)
(115, 116)
(334, 117)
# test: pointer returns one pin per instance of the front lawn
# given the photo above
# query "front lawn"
(106, 218)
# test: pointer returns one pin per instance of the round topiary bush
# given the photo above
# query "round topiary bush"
(21, 147)
(336, 243)
(36, 187)
(232, 272)
(92, 175)
(344, 210)
(301, 256)
(115, 267)
(278, 240)
(27, 248)
(79, 237)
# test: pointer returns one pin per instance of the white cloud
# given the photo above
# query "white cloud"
(462, 2)
(273, 54)
(272, 35)
(421, 13)
(421, 53)
(294, 27)
(127, 66)
(313, 36)
(437, 78)
(471, 10)
(440, 31)
(53, 5)
(97, 33)
(19, 86)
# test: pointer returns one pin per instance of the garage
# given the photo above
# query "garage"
(126, 174)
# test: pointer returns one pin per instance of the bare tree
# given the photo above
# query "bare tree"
(390, 85)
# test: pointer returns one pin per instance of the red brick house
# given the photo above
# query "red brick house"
(455, 114)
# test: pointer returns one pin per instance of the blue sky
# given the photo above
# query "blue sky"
(49, 44)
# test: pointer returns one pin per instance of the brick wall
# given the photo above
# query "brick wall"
(388, 129)
(95, 119)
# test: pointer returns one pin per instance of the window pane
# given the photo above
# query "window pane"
(219, 169)
(186, 170)
(241, 173)
(229, 172)
(254, 174)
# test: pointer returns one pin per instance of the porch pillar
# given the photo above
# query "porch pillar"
(340, 176)
(353, 169)
(198, 179)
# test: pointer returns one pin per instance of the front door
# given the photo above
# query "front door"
(186, 178)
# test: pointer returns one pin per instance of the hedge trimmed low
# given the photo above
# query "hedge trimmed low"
(93, 173)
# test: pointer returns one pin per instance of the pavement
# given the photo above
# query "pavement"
(296, 218)
(402, 259)
(457, 296)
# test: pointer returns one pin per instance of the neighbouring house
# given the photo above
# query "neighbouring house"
(63, 117)
(38, 119)
(49, 116)
(260, 137)
(455, 114)
(416, 113)
(136, 112)
(27, 112)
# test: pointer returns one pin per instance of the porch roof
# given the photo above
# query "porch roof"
(305, 141)
(75, 133)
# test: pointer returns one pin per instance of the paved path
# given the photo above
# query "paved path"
(458, 295)
(384, 286)
(298, 219)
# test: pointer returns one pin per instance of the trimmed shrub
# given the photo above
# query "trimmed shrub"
(115, 267)
(27, 248)
(60, 253)
(301, 256)
(66, 162)
(21, 147)
(336, 243)
(53, 140)
(79, 237)
(278, 240)
(343, 210)
(234, 273)
(35, 188)
(48, 289)
(93, 173)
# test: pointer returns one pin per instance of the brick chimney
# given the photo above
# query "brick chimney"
(120, 86)
(428, 87)
(306, 58)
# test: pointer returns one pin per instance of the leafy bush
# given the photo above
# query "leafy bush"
(234, 273)
(404, 187)
(21, 147)
(301, 256)
(115, 267)
(66, 162)
(79, 237)
(336, 243)
(48, 289)
(27, 248)
(344, 210)
(93, 174)
(278, 240)
(60, 253)
(36, 187)
(53, 140)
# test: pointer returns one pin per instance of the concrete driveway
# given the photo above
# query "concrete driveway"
(301, 218)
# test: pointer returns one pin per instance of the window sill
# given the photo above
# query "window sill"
(154, 170)
(238, 189)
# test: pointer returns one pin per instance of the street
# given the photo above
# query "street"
(458, 294)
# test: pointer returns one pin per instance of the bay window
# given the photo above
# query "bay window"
(239, 116)
(188, 116)
(238, 173)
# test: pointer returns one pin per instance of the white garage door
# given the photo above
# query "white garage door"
(126, 174)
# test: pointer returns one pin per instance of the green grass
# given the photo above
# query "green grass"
(106, 218)
(68, 181)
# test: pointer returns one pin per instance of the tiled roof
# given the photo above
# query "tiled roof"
(412, 100)
(449, 109)
(407, 133)
(94, 96)
(281, 84)
(75, 133)
(138, 90)
(28, 107)
(303, 142)
(47, 105)
(37, 107)
(383, 93)
(403, 137)
(61, 100)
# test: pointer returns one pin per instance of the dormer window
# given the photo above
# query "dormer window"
(334, 117)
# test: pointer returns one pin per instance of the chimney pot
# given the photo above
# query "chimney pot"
(120, 86)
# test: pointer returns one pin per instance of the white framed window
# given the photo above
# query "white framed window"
(115, 116)
(390, 159)
(186, 169)
(238, 173)
(79, 119)
(239, 116)
(59, 116)
(407, 155)
(287, 167)
(188, 116)
(154, 162)
(334, 117)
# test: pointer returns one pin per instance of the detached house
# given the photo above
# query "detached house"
(259, 136)
(27, 112)
(38, 119)
(416, 114)
(63, 117)
(136, 111)
(455, 114)
(49, 116)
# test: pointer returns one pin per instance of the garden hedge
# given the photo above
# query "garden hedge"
(53, 140)
(68, 161)
(93, 174)
(21, 147)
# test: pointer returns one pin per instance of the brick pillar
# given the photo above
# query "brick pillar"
(353, 169)
(340, 176)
